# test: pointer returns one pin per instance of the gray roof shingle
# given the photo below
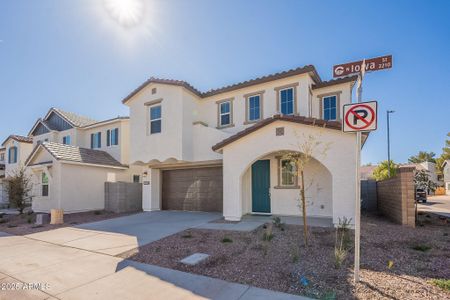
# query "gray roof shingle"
(80, 155)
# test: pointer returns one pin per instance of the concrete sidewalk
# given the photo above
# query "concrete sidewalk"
(68, 272)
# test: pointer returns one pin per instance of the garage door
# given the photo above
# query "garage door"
(198, 189)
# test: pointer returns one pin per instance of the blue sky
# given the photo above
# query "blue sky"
(75, 56)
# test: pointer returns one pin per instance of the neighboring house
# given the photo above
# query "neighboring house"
(366, 172)
(221, 150)
(3, 199)
(446, 172)
(430, 167)
(17, 150)
(73, 157)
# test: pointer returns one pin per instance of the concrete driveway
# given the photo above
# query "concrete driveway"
(115, 236)
(439, 205)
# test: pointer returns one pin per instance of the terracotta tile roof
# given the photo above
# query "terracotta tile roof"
(334, 82)
(18, 138)
(76, 154)
(294, 119)
(75, 119)
(301, 70)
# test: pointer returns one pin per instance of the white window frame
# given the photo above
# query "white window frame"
(294, 177)
(44, 184)
(336, 108)
(65, 137)
(249, 108)
(293, 100)
(154, 120)
(224, 114)
(109, 135)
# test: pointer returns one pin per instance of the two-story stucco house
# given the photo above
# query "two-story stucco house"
(446, 173)
(221, 150)
(73, 157)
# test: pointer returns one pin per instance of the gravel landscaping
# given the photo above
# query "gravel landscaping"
(25, 223)
(397, 262)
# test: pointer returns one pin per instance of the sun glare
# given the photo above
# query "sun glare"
(127, 13)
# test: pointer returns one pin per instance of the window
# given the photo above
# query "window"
(66, 140)
(288, 173)
(254, 108)
(2, 157)
(44, 181)
(96, 140)
(329, 108)
(136, 178)
(287, 101)
(12, 155)
(155, 119)
(112, 137)
(224, 113)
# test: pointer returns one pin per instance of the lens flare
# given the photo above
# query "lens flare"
(127, 13)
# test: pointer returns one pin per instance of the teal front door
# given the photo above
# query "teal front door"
(261, 186)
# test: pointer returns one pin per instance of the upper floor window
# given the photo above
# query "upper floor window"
(136, 178)
(96, 140)
(66, 140)
(12, 155)
(112, 137)
(225, 113)
(287, 101)
(155, 119)
(44, 184)
(329, 108)
(254, 110)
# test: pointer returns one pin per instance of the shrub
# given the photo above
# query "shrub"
(29, 220)
(187, 235)
(268, 233)
(277, 222)
(97, 212)
(421, 247)
(442, 283)
(342, 242)
(18, 187)
(226, 240)
(295, 254)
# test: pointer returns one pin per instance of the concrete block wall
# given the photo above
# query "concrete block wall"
(123, 196)
(396, 197)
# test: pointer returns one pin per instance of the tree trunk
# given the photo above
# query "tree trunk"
(303, 198)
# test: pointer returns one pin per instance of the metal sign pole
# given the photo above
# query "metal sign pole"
(358, 181)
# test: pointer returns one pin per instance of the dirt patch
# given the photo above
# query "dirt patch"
(284, 264)
(25, 223)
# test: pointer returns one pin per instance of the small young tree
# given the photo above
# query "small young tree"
(18, 187)
(308, 147)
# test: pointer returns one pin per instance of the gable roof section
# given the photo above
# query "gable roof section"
(297, 71)
(38, 123)
(73, 119)
(341, 80)
(68, 153)
(18, 138)
(294, 119)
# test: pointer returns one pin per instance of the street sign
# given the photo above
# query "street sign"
(360, 117)
(373, 64)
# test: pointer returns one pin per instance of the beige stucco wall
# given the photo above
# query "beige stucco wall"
(339, 161)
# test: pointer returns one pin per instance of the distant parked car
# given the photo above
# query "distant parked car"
(421, 195)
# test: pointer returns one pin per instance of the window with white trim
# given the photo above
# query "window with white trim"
(329, 108)
(44, 185)
(66, 140)
(155, 119)
(288, 173)
(225, 113)
(96, 140)
(112, 137)
(287, 101)
(254, 108)
(2, 156)
(12, 155)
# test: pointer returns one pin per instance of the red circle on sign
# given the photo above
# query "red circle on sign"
(368, 123)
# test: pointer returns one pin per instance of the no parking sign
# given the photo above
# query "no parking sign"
(360, 117)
